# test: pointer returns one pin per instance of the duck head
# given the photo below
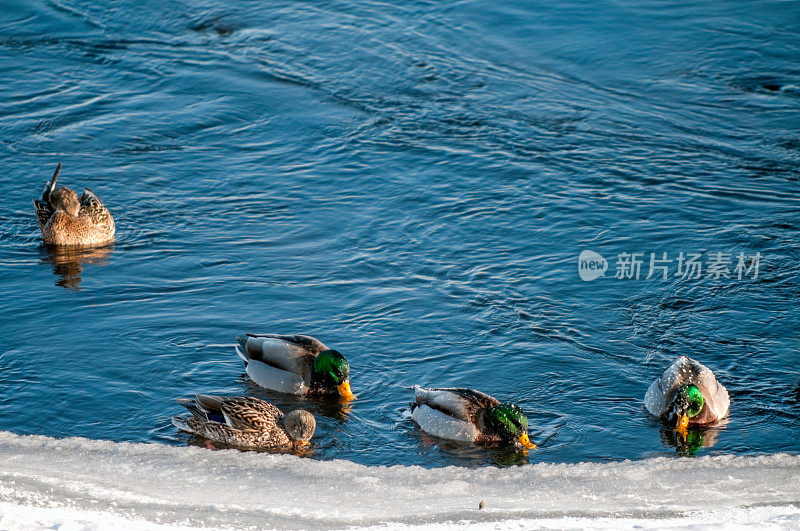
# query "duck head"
(331, 371)
(65, 199)
(686, 404)
(510, 423)
(300, 425)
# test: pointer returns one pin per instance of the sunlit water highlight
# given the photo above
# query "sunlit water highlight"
(412, 185)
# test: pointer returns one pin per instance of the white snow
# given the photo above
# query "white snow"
(87, 484)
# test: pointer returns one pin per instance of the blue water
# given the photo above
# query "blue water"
(412, 184)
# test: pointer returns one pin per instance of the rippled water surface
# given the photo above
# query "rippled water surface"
(412, 184)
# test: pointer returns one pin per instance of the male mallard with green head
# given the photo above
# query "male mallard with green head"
(298, 365)
(65, 219)
(246, 422)
(471, 416)
(687, 393)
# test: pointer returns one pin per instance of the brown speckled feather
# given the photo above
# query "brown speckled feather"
(245, 439)
(92, 226)
(89, 224)
(242, 421)
(97, 213)
(250, 413)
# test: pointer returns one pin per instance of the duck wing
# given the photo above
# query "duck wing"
(717, 401)
(94, 209)
(90, 200)
(44, 209)
(202, 413)
(43, 212)
(458, 402)
(310, 344)
(250, 413)
(243, 412)
(294, 354)
(238, 412)
(241, 421)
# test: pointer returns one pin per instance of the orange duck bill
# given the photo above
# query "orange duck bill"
(345, 392)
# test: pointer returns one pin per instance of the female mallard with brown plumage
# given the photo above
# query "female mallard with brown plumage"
(246, 422)
(471, 416)
(65, 219)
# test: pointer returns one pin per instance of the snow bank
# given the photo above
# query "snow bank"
(88, 484)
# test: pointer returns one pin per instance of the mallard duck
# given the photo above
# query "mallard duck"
(468, 415)
(246, 422)
(64, 219)
(298, 365)
(687, 393)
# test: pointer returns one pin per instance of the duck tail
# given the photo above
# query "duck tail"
(194, 408)
(182, 424)
(241, 348)
(50, 186)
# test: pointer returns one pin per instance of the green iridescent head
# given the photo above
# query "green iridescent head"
(332, 372)
(510, 423)
(690, 399)
(686, 404)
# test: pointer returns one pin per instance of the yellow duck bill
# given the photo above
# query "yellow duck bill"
(526, 442)
(344, 390)
(683, 423)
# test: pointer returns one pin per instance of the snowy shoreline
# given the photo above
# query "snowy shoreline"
(86, 484)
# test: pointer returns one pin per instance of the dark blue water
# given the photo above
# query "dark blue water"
(412, 184)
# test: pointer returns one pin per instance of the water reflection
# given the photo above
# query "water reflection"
(466, 453)
(690, 443)
(68, 262)
(510, 455)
